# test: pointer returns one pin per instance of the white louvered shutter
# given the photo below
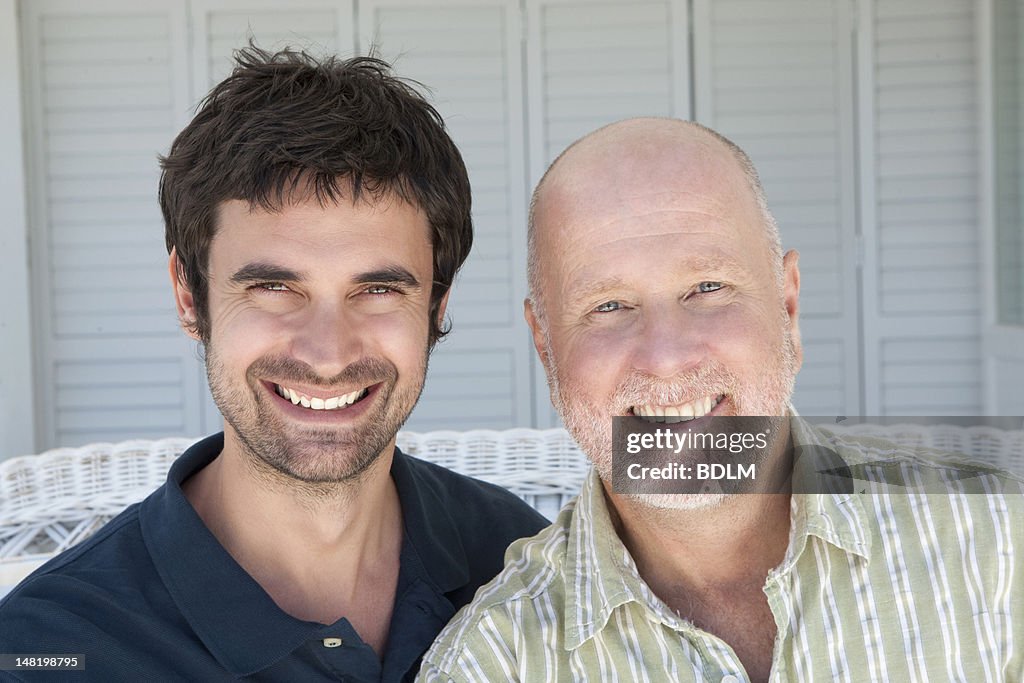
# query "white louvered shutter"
(775, 76)
(219, 27)
(922, 296)
(469, 56)
(592, 62)
(105, 89)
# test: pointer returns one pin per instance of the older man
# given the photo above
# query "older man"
(316, 214)
(659, 291)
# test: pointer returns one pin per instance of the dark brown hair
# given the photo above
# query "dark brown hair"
(286, 126)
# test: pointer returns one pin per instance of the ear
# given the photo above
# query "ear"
(539, 340)
(442, 307)
(791, 297)
(183, 299)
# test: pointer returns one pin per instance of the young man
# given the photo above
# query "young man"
(316, 214)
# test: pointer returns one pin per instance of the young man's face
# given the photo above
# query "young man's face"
(318, 330)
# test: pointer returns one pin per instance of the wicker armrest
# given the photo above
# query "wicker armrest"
(50, 501)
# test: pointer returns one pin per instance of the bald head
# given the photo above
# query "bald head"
(607, 165)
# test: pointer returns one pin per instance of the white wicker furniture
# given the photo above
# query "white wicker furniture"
(1001, 448)
(51, 501)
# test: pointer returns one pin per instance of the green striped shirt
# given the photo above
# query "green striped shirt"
(918, 587)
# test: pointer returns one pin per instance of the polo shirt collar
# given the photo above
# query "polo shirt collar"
(430, 529)
(600, 574)
(236, 619)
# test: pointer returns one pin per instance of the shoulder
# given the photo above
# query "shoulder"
(73, 596)
(526, 599)
(938, 505)
(468, 499)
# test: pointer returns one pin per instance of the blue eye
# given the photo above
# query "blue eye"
(608, 307)
(706, 287)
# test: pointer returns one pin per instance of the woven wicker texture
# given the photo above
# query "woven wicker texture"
(51, 501)
(1002, 448)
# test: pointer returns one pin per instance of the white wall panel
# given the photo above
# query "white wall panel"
(17, 387)
(1008, 153)
(593, 62)
(924, 256)
(775, 76)
(106, 83)
(219, 27)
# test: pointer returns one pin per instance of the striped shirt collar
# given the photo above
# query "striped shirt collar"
(600, 574)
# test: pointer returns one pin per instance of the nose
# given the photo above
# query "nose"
(669, 341)
(327, 338)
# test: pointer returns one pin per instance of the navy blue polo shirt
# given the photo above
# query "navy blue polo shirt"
(154, 596)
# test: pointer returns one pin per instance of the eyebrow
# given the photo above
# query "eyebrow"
(587, 288)
(265, 272)
(268, 272)
(396, 275)
(700, 263)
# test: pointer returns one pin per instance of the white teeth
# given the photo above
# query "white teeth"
(680, 413)
(314, 403)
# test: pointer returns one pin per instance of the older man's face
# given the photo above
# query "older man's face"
(659, 292)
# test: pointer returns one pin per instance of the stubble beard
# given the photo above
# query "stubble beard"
(307, 454)
(590, 425)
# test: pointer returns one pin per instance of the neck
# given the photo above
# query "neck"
(714, 549)
(314, 548)
(709, 550)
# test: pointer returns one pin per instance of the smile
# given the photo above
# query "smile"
(677, 413)
(316, 403)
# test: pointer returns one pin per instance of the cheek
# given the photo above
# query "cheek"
(400, 335)
(245, 326)
(745, 341)
(591, 362)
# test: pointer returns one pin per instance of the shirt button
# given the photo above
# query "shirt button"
(332, 642)
(729, 678)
